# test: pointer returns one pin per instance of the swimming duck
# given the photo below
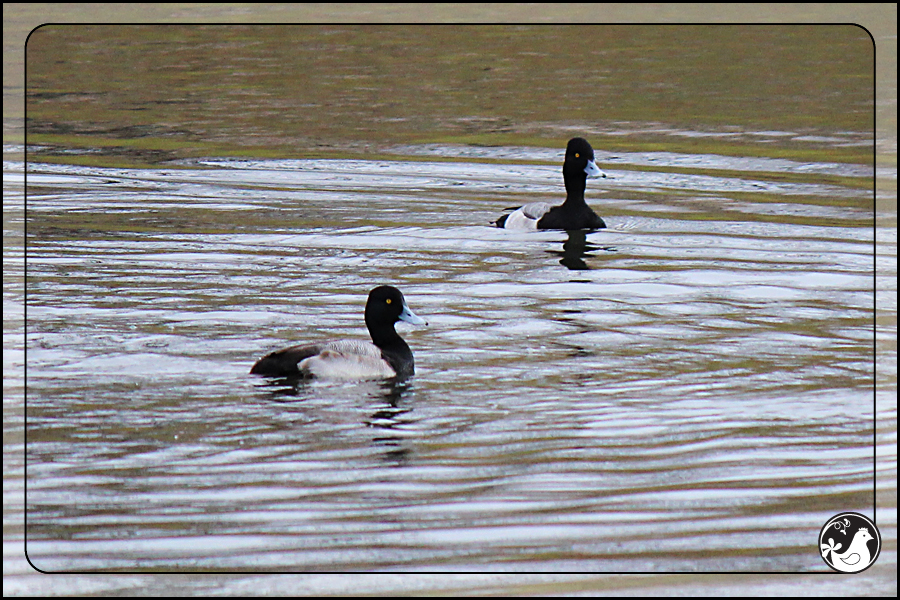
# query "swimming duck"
(574, 213)
(386, 356)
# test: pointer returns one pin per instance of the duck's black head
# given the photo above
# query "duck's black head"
(580, 159)
(386, 306)
(578, 166)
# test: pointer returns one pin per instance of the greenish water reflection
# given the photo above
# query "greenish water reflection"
(141, 94)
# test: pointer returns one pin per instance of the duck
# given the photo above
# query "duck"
(574, 213)
(387, 356)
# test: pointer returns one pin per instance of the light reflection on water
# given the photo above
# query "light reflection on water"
(690, 389)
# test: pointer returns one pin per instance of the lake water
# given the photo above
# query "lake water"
(690, 389)
(693, 389)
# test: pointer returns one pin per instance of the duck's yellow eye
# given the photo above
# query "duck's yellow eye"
(577, 155)
(388, 300)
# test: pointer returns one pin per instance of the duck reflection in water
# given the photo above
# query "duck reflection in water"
(389, 422)
(576, 248)
(388, 403)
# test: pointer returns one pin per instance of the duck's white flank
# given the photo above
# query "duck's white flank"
(347, 359)
(527, 217)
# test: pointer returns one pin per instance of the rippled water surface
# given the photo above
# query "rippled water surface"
(690, 389)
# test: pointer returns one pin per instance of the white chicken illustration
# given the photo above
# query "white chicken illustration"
(854, 558)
